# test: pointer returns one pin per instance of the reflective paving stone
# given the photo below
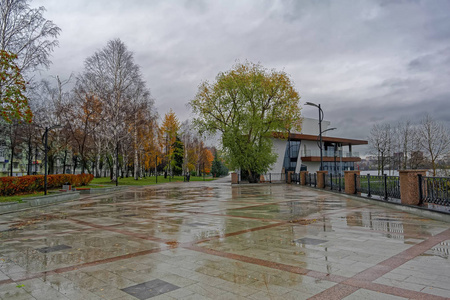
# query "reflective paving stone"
(150, 289)
(309, 241)
(53, 248)
(196, 224)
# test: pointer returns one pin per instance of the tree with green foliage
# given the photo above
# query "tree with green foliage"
(178, 156)
(218, 168)
(13, 103)
(247, 105)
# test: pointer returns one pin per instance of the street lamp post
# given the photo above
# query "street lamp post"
(320, 131)
(320, 144)
(45, 137)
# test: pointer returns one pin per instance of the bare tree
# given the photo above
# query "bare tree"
(25, 32)
(434, 139)
(112, 76)
(380, 142)
(142, 114)
(405, 133)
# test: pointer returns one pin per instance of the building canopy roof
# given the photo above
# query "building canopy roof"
(309, 137)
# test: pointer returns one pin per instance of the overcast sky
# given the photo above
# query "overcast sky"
(363, 61)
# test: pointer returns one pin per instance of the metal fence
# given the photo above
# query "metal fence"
(295, 178)
(434, 190)
(334, 182)
(385, 187)
(273, 178)
(266, 178)
(311, 179)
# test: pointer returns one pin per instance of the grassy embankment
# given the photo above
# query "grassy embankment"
(106, 182)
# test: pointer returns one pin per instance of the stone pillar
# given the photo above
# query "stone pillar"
(321, 179)
(409, 186)
(349, 179)
(234, 178)
(289, 179)
(303, 175)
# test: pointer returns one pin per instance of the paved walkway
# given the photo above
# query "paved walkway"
(208, 240)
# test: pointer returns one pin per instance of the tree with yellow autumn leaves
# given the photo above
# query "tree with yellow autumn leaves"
(168, 135)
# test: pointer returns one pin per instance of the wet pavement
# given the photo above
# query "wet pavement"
(208, 240)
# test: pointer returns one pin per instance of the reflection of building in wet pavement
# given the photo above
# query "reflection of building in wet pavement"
(392, 227)
(442, 250)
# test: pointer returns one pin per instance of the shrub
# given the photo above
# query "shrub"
(33, 183)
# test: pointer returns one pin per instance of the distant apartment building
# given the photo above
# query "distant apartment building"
(20, 165)
(301, 150)
(417, 160)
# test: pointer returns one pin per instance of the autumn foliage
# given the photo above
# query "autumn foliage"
(208, 159)
(33, 183)
(13, 103)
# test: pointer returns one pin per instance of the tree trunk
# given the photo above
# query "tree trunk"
(97, 170)
(136, 159)
(30, 157)
(12, 161)
(114, 166)
(253, 177)
(64, 161)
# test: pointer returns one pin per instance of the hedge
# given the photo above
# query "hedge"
(33, 183)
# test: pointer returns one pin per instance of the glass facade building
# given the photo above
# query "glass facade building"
(335, 168)
(291, 155)
(292, 152)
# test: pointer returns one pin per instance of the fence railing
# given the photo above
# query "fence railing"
(434, 190)
(385, 187)
(334, 182)
(311, 179)
(268, 178)
(273, 177)
(295, 178)
(432, 193)
(328, 153)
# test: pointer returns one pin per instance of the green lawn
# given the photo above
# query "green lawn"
(146, 181)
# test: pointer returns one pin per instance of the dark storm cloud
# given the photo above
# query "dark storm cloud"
(364, 61)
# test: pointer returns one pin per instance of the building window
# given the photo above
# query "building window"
(335, 168)
(291, 155)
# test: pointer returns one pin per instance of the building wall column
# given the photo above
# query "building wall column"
(321, 179)
(289, 179)
(234, 178)
(349, 177)
(303, 175)
(409, 186)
